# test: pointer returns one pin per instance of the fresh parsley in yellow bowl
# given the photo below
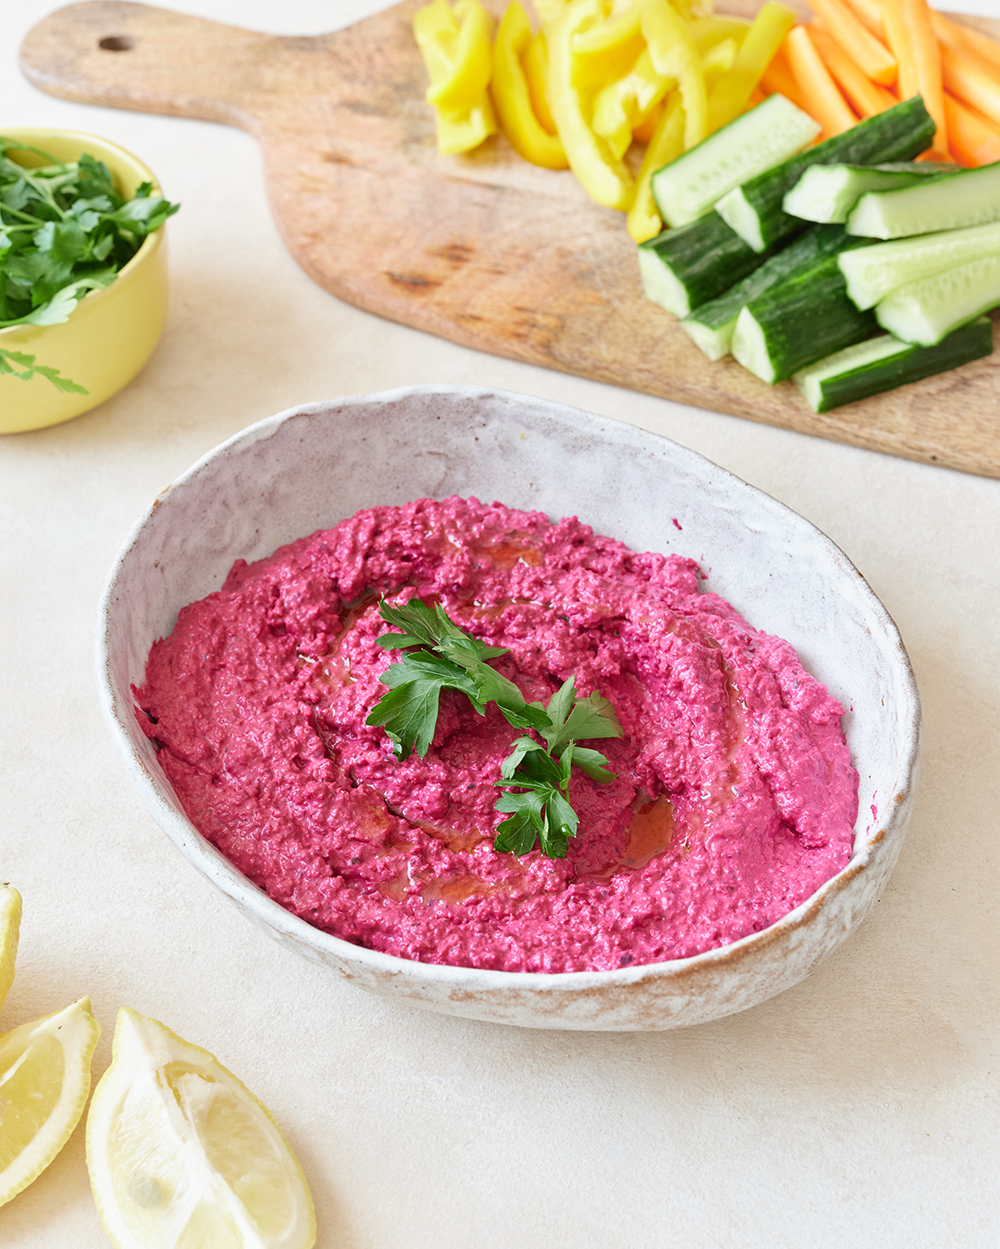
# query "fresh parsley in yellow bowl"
(83, 278)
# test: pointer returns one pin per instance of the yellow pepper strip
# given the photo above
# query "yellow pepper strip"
(535, 62)
(510, 93)
(627, 103)
(456, 50)
(718, 60)
(608, 50)
(550, 10)
(464, 129)
(708, 31)
(673, 53)
(666, 145)
(472, 59)
(730, 94)
(604, 178)
(645, 130)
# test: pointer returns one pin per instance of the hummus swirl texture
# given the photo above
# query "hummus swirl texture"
(734, 800)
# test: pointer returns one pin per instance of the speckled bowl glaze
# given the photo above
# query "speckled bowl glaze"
(310, 467)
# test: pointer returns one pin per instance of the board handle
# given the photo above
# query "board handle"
(133, 56)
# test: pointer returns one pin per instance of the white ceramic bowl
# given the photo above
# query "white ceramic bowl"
(310, 467)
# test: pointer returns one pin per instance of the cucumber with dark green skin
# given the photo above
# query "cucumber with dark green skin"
(691, 264)
(799, 321)
(754, 210)
(883, 363)
(711, 324)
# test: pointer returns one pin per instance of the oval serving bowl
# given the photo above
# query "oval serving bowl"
(112, 332)
(310, 467)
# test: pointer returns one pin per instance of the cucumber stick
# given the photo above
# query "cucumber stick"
(756, 141)
(882, 363)
(687, 266)
(927, 310)
(969, 197)
(754, 210)
(799, 321)
(873, 271)
(711, 325)
(828, 192)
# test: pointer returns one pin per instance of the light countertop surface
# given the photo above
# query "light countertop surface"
(858, 1109)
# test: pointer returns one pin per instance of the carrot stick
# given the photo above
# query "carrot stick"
(951, 33)
(927, 60)
(970, 79)
(825, 102)
(865, 96)
(988, 122)
(870, 12)
(779, 80)
(898, 38)
(872, 57)
(973, 142)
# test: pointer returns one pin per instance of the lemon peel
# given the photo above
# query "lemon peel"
(10, 926)
(181, 1154)
(44, 1082)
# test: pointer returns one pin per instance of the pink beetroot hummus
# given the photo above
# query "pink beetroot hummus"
(735, 797)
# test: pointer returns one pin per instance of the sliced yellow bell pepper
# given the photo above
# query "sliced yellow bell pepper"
(465, 53)
(666, 145)
(455, 46)
(602, 175)
(708, 31)
(674, 54)
(718, 60)
(608, 50)
(731, 93)
(624, 105)
(536, 66)
(512, 98)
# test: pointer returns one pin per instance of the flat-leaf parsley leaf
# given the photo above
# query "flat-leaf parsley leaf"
(535, 777)
(64, 230)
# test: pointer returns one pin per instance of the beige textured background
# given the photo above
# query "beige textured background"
(859, 1109)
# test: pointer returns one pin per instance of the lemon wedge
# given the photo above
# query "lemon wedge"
(44, 1082)
(10, 926)
(183, 1156)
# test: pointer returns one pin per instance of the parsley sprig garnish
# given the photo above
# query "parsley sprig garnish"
(535, 777)
(64, 230)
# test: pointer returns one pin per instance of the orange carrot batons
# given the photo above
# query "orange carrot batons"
(971, 80)
(927, 65)
(872, 57)
(822, 95)
(866, 97)
(973, 142)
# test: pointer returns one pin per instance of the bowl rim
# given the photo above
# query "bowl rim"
(203, 855)
(149, 244)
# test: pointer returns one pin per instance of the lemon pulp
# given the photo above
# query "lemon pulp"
(183, 1156)
(44, 1082)
(10, 926)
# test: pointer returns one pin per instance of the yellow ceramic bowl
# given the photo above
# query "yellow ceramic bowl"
(112, 332)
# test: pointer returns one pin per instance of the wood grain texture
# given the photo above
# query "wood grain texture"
(484, 249)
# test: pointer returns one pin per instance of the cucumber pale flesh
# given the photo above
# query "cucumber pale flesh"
(754, 210)
(873, 272)
(883, 363)
(969, 197)
(828, 192)
(687, 266)
(756, 141)
(712, 324)
(926, 310)
(798, 322)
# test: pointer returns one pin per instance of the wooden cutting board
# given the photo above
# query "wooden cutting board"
(483, 249)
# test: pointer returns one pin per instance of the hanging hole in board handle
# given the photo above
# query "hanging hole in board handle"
(116, 43)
